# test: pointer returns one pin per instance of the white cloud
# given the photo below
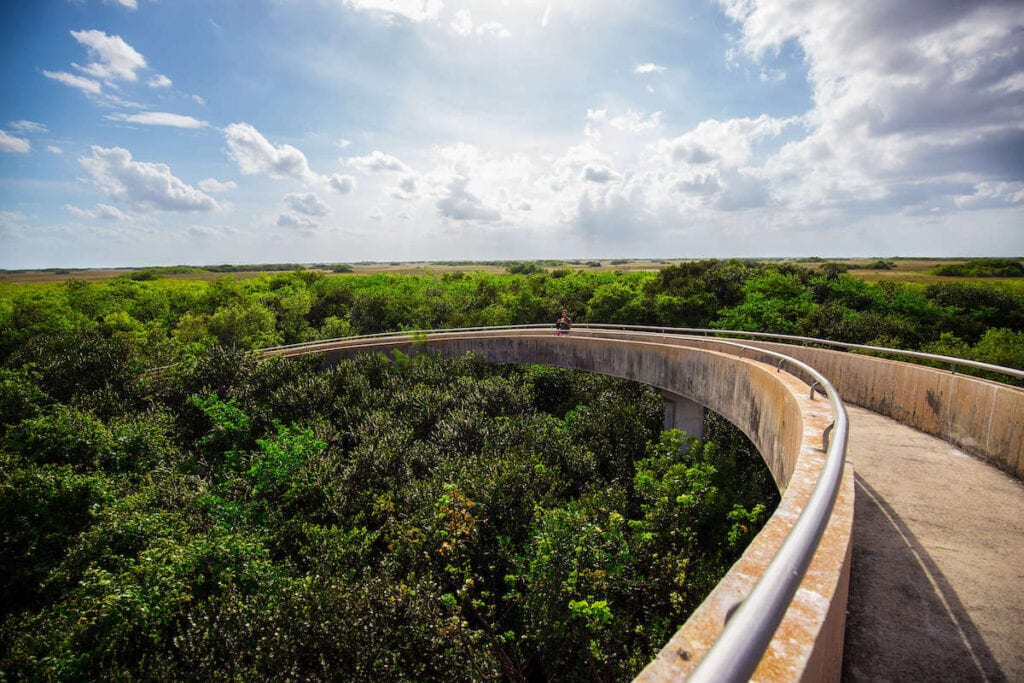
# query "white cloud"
(54, 149)
(130, 4)
(413, 10)
(198, 100)
(255, 154)
(462, 24)
(86, 85)
(301, 224)
(649, 69)
(307, 204)
(376, 162)
(13, 145)
(144, 185)
(342, 184)
(113, 59)
(214, 186)
(599, 174)
(990, 194)
(461, 205)
(101, 212)
(343, 143)
(27, 127)
(159, 118)
(909, 99)
(730, 141)
(493, 29)
(159, 81)
(11, 223)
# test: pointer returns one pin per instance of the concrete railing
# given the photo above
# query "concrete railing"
(785, 421)
(984, 418)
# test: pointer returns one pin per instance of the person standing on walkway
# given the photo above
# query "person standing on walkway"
(563, 324)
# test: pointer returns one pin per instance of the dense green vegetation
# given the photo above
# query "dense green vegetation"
(169, 319)
(983, 267)
(386, 518)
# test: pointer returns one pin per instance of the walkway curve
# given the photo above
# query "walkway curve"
(938, 561)
(938, 550)
(786, 422)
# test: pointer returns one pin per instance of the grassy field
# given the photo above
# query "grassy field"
(913, 270)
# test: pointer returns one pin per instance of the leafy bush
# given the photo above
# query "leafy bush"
(985, 267)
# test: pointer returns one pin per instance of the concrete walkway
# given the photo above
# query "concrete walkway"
(937, 584)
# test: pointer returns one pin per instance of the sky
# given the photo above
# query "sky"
(161, 132)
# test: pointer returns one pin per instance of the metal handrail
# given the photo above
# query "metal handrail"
(703, 332)
(948, 360)
(736, 652)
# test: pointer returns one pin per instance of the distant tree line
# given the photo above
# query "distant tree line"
(169, 319)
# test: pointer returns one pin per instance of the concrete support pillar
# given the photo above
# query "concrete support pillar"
(682, 413)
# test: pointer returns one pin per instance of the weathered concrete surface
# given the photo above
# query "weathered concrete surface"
(938, 561)
(983, 418)
(682, 413)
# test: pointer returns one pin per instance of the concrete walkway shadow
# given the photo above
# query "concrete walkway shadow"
(905, 622)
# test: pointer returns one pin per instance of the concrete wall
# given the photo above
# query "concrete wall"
(981, 417)
(775, 410)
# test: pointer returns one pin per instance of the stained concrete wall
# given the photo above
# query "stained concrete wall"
(776, 411)
(981, 417)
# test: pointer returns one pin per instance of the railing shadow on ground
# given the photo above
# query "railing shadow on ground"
(905, 621)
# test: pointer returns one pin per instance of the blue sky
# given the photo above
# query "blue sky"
(149, 132)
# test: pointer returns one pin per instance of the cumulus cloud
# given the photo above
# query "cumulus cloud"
(144, 185)
(254, 154)
(377, 162)
(343, 184)
(54, 149)
(599, 174)
(13, 145)
(198, 100)
(649, 69)
(113, 59)
(902, 92)
(303, 225)
(729, 141)
(462, 24)
(407, 188)
(159, 118)
(461, 205)
(599, 122)
(112, 62)
(307, 204)
(213, 186)
(101, 212)
(413, 10)
(130, 4)
(992, 194)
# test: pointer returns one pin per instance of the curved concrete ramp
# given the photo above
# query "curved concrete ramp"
(938, 561)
